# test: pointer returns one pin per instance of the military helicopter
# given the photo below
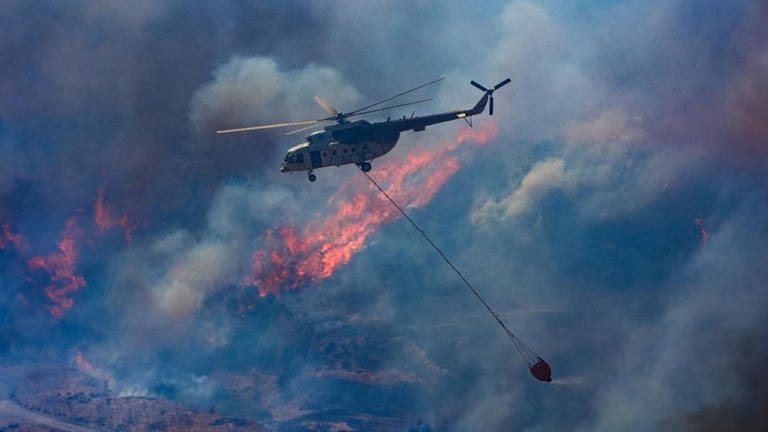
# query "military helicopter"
(359, 142)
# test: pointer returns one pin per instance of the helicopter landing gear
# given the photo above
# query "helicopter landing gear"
(311, 177)
(365, 166)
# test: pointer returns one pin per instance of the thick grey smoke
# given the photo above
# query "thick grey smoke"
(691, 358)
(615, 222)
(245, 90)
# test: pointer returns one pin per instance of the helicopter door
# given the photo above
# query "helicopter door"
(315, 157)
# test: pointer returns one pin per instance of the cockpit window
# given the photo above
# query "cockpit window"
(294, 158)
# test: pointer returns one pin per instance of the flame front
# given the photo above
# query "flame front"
(8, 237)
(106, 220)
(63, 277)
(703, 230)
(88, 368)
(83, 363)
(61, 267)
(293, 256)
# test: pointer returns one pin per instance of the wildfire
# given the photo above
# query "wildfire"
(106, 220)
(83, 363)
(61, 267)
(293, 256)
(8, 237)
(703, 229)
(87, 367)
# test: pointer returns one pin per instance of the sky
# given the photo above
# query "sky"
(613, 210)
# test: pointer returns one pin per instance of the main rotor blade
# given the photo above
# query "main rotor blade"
(390, 107)
(326, 106)
(269, 126)
(502, 84)
(474, 83)
(360, 110)
(295, 131)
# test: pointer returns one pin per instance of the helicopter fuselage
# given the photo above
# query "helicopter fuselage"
(357, 142)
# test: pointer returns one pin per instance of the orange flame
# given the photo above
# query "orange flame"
(106, 220)
(87, 367)
(703, 229)
(314, 253)
(61, 267)
(83, 363)
(8, 237)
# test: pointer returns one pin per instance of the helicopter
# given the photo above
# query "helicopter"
(359, 142)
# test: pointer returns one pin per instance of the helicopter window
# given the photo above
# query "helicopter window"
(334, 152)
(300, 158)
(325, 154)
(345, 150)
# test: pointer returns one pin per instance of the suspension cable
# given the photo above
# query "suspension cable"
(528, 355)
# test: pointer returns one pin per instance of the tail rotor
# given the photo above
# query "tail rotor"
(489, 92)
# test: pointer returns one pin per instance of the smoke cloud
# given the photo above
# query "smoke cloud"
(541, 179)
(614, 214)
(245, 89)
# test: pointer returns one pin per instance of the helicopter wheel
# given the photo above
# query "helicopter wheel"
(312, 177)
(365, 166)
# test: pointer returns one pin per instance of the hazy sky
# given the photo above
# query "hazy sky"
(613, 209)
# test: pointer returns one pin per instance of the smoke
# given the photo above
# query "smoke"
(746, 101)
(746, 409)
(543, 177)
(245, 90)
(620, 200)
(179, 270)
(698, 341)
(609, 130)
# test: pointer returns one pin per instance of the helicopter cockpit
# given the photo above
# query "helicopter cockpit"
(293, 158)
